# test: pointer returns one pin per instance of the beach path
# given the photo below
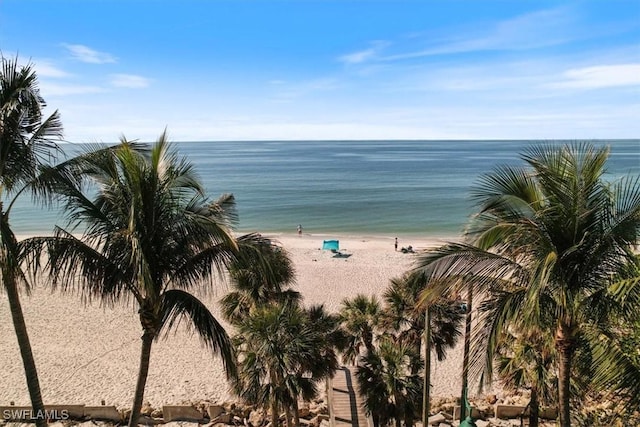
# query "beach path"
(346, 407)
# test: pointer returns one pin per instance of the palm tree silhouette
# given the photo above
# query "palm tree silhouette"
(148, 233)
(26, 143)
(551, 235)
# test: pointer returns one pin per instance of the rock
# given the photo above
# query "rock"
(146, 409)
(126, 414)
(257, 417)
(148, 421)
(157, 413)
(304, 410)
(181, 413)
(109, 413)
(323, 417)
(215, 410)
(436, 419)
(491, 399)
(222, 418)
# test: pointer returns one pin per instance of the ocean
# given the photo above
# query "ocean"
(393, 188)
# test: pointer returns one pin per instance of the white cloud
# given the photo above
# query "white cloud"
(52, 89)
(533, 30)
(46, 69)
(364, 55)
(129, 81)
(85, 54)
(600, 76)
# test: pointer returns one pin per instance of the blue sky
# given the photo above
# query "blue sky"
(332, 69)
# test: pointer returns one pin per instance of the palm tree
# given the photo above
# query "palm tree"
(406, 319)
(26, 143)
(616, 355)
(259, 276)
(360, 317)
(391, 391)
(557, 232)
(527, 359)
(282, 355)
(148, 233)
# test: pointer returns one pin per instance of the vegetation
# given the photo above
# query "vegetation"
(282, 355)
(283, 350)
(259, 277)
(147, 233)
(526, 360)
(391, 391)
(549, 237)
(385, 342)
(27, 142)
(360, 319)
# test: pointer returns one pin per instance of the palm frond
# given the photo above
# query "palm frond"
(178, 305)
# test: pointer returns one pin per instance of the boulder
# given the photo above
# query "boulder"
(224, 418)
(215, 410)
(436, 419)
(146, 409)
(256, 417)
(107, 413)
(304, 410)
(181, 413)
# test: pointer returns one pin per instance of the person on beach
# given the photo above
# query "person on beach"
(395, 245)
(299, 229)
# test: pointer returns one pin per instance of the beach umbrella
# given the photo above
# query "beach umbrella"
(331, 245)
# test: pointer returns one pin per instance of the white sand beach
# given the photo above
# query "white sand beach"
(86, 353)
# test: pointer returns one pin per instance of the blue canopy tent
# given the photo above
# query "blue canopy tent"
(331, 245)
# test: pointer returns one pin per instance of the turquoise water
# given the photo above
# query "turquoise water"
(348, 187)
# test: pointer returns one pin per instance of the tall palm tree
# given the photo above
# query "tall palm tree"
(261, 275)
(148, 233)
(405, 318)
(559, 232)
(27, 142)
(403, 315)
(391, 391)
(282, 355)
(360, 318)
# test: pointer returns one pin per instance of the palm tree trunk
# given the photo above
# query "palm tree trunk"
(534, 408)
(274, 412)
(28, 361)
(564, 345)
(465, 361)
(289, 416)
(145, 355)
(296, 413)
(368, 342)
